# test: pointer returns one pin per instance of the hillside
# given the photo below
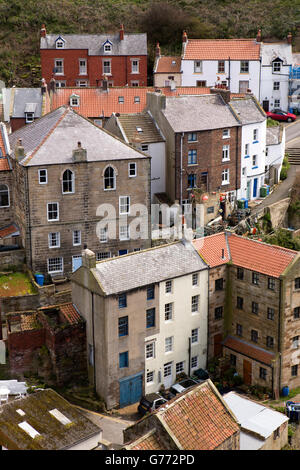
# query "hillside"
(164, 21)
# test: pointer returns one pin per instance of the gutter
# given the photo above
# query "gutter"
(93, 335)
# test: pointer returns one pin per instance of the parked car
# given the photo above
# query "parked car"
(279, 115)
(182, 386)
(151, 402)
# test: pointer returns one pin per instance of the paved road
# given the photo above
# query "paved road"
(292, 131)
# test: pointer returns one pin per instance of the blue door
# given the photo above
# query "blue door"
(131, 389)
(254, 187)
(123, 252)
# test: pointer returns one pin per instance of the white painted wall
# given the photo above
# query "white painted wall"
(255, 148)
(275, 153)
(180, 328)
(267, 84)
(210, 74)
(157, 152)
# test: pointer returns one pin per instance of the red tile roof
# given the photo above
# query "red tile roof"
(267, 259)
(168, 65)
(199, 419)
(150, 441)
(70, 313)
(250, 254)
(9, 230)
(94, 102)
(222, 49)
(249, 350)
(210, 249)
(4, 165)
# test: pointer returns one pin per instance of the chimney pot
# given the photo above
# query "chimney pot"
(184, 36)
(157, 50)
(258, 36)
(19, 151)
(289, 38)
(43, 31)
(121, 32)
(104, 83)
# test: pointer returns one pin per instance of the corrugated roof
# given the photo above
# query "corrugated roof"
(145, 267)
(168, 64)
(203, 112)
(52, 139)
(53, 434)
(132, 122)
(222, 49)
(132, 44)
(199, 419)
(249, 350)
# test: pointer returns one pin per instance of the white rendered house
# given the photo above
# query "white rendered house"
(275, 150)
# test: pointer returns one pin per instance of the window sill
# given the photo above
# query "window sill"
(225, 160)
(225, 183)
(192, 164)
(109, 189)
(255, 142)
(254, 167)
(247, 156)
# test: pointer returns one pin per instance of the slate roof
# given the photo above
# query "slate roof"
(95, 102)
(249, 350)
(244, 252)
(199, 419)
(274, 135)
(168, 64)
(52, 138)
(222, 49)
(204, 112)
(272, 51)
(132, 44)
(53, 434)
(248, 110)
(145, 267)
(130, 123)
(27, 99)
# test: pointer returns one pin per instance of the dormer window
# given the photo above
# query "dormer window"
(276, 66)
(107, 46)
(59, 43)
(29, 117)
(74, 100)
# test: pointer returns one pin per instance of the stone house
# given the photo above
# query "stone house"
(6, 197)
(198, 419)
(64, 170)
(141, 331)
(254, 299)
(261, 428)
(166, 70)
(84, 59)
(201, 152)
(141, 131)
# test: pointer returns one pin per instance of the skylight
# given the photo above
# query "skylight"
(28, 429)
(60, 417)
(20, 412)
(139, 129)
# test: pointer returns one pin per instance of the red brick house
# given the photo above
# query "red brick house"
(84, 59)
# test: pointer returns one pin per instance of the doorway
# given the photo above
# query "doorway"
(247, 372)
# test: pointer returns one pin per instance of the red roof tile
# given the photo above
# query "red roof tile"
(250, 254)
(150, 441)
(210, 249)
(168, 65)
(222, 49)
(249, 350)
(4, 165)
(198, 419)
(267, 259)
(9, 230)
(70, 313)
(94, 102)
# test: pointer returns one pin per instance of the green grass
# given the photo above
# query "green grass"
(16, 284)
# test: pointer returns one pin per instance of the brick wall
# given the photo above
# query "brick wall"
(216, 299)
(21, 348)
(17, 123)
(120, 67)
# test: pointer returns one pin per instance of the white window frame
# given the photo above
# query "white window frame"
(277, 106)
(167, 289)
(195, 279)
(7, 192)
(100, 255)
(106, 67)
(198, 66)
(191, 136)
(74, 101)
(52, 220)
(145, 148)
(107, 48)
(169, 311)
(226, 153)
(169, 344)
(150, 375)
(150, 349)
(61, 42)
(60, 83)
(27, 119)
(82, 83)
(123, 237)
(195, 304)
(124, 207)
(181, 367)
(57, 270)
(276, 86)
(72, 182)
(255, 135)
(136, 99)
(195, 336)
(226, 134)
(136, 66)
(121, 100)
(82, 68)
(59, 66)
(295, 342)
(244, 66)
(129, 170)
(57, 239)
(134, 83)
(114, 179)
(275, 68)
(246, 150)
(103, 235)
(254, 160)
(46, 174)
(75, 233)
(193, 359)
(226, 173)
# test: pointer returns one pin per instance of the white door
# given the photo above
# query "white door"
(168, 380)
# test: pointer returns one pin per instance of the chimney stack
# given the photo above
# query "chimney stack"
(289, 38)
(157, 50)
(19, 151)
(258, 36)
(88, 259)
(121, 32)
(184, 37)
(104, 83)
(221, 91)
(79, 154)
(43, 31)
(44, 86)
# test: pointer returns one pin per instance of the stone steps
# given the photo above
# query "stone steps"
(294, 155)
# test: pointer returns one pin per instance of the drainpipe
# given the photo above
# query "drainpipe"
(259, 86)
(29, 224)
(181, 146)
(279, 332)
(208, 331)
(189, 356)
(93, 334)
(229, 78)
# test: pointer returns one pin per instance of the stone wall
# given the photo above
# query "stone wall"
(14, 258)
(216, 299)
(278, 213)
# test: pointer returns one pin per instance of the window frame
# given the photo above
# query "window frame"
(195, 304)
(109, 179)
(123, 326)
(74, 236)
(169, 311)
(137, 65)
(196, 67)
(61, 67)
(53, 220)
(106, 67)
(150, 311)
(195, 336)
(244, 66)
(46, 175)
(123, 205)
(70, 182)
(81, 72)
(50, 238)
(169, 344)
(150, 349)
(59, 270)
(6, 193)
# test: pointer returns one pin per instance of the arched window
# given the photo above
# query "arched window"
(68, 182)
(109, 178)
(4, 195)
